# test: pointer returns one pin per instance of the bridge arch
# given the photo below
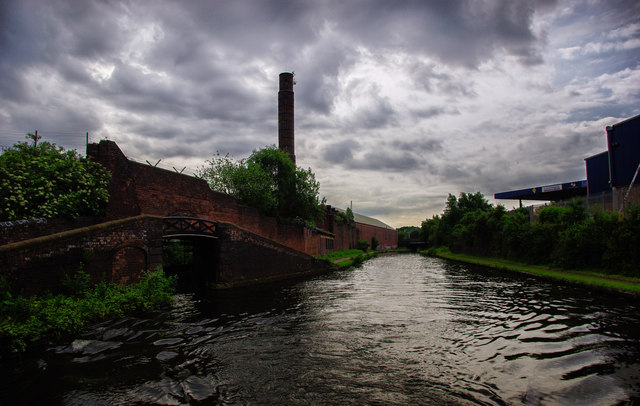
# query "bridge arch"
(191, 251)
(128, 259)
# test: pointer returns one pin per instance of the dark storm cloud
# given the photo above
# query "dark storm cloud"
(431, 78)
(340, 152)
(436, 91)
(377, 113)
(204, 48)
(434, 111)
(386, 161)
(425, 145)
(457, 32)
(384, 156)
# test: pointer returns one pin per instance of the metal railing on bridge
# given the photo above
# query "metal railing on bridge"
(188, 226)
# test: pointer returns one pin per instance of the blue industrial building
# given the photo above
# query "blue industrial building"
(613, 178)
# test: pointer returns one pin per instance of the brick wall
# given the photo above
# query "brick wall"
(19, 230)
(386, 238)
(138, 189)
(114, 251)
(245, 258)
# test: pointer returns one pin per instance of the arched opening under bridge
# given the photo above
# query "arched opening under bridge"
(190, 250)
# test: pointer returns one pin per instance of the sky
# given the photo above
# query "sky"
(397, 103)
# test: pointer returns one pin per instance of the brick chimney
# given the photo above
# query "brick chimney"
(285, 115)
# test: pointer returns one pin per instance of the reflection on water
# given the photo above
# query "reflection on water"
(399, 330)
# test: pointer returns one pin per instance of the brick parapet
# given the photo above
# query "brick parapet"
(19, 230)
(98, 248)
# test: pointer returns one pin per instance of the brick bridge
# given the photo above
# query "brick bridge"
(149, 208)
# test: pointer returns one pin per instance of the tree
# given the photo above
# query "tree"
(218, 173)
(43, 180)
(269, 181)
(346, 217)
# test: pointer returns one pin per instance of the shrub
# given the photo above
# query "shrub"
(270, 182)
(35, 320)
(43, 180)
(362, 245)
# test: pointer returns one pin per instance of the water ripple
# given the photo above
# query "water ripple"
(399, 330)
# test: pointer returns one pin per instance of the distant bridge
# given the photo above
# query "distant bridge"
(415, 244)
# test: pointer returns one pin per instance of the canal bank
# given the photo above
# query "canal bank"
(590, 279)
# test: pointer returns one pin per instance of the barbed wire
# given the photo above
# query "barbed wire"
(166, 165)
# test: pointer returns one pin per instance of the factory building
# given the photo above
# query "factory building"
(613, 178)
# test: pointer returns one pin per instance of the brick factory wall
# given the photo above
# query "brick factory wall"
(386, 238)
(115, 251)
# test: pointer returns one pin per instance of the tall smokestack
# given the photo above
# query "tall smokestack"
(285, 115)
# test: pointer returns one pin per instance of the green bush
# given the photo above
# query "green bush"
(43, 180)
(39, 320)
(374, 243)
(622, 255)
(515, 229)
(362, 245)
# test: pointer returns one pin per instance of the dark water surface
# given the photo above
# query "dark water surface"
(399, 330)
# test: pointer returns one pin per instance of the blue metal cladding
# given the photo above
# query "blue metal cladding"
(623, 142)
(598, 173)
(555, 192)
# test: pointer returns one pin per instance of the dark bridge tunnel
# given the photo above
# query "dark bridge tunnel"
(194, 259)
(190, 250)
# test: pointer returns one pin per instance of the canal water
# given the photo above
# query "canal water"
(399, 330)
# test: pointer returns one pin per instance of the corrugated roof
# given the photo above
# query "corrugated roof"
(370, 221)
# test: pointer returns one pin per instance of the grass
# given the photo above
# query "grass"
(588, 278)
(348, 258)
(334, 256)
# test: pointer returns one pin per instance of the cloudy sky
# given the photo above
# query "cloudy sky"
(398, 103)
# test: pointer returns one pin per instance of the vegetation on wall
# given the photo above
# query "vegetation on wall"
(41, 320)
(346, 217)
(39, 179)
(567, 236)
(269, 181)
